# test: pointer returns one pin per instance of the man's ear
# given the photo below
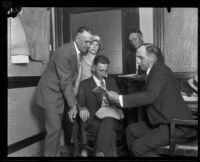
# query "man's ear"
(153, 58)
(76, 39)
(93, 68)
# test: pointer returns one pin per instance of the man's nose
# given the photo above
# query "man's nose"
(104, 74)
(88, 45)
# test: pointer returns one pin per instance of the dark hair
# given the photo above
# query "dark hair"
(150, 48)
(138, 31)
(82, 29)
(101, 59)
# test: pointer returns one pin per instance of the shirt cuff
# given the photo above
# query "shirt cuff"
(121, 101)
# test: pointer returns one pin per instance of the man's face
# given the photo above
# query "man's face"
(143, 58)
(135, 39)
(100, 70)
(83, 41)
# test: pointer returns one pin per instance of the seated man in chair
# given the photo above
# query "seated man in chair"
(164, 103)
(99, 118)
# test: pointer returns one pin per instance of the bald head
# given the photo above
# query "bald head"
(83, 39)
(146, 55)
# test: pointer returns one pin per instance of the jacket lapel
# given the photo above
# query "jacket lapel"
(152, 69)
(92, 86)
(74, 56)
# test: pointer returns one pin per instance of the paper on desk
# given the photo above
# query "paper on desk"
(191, 98)
(99, 90)
(19, 59)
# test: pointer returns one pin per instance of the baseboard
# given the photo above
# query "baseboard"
(26, 142)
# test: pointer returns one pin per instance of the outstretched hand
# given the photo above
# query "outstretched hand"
(113, 97)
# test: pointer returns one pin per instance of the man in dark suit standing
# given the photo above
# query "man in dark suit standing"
(57, 85)
(90, 102)
(164, 103)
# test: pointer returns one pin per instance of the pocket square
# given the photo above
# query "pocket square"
(109, 112)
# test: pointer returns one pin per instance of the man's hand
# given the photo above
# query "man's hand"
(72, 113)
(84, 114)
(113, 97)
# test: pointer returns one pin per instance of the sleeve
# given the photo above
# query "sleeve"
(64, 72)
(81, 96)
(156, 84)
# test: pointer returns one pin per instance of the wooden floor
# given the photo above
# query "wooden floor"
(66, 150)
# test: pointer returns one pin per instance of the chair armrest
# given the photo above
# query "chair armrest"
(173, 125)
(184, 122)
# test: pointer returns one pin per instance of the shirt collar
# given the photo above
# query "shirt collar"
(148, 70)
(77, 50)
(97, 81)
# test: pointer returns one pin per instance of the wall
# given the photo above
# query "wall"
(181, 39)
(24, 118)
(30, 69)
(107, 24)
(146, 23)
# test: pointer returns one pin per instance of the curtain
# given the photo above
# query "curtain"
(36, 24)
(18, 42)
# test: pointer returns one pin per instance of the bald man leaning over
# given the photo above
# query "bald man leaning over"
(57, 86)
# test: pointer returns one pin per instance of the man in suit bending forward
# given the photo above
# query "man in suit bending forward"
(58, 85)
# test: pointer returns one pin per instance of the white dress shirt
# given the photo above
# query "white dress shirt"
(97, 81)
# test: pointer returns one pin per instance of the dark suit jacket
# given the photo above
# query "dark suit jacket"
(90, 99)
(161, 95)
(58, 79)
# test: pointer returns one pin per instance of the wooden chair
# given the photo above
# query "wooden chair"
(188, 147)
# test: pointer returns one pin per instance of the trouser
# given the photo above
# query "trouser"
(143, 140)
(53, 127)
(105, 132)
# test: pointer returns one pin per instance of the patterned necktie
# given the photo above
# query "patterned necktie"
(104, 99)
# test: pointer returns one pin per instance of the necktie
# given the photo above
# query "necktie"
(104, 99)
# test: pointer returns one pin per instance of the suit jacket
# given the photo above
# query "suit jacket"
(57, 82)
(161, 95)
(86, 97)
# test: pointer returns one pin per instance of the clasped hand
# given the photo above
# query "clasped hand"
(72, 113)
(84, 114)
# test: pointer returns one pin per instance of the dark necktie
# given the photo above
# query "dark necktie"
(104, 99)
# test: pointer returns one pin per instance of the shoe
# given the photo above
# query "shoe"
(84, 153)
(100, 154)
